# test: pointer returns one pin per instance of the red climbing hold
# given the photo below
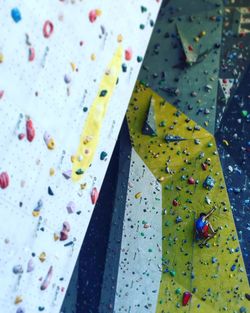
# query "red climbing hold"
(31, 54)
(128, 54)
(48, 29)
(30, 130)
(94, 195)
(191, 181)
(204, 166)
(175, 202)
(186, 298)
(4, 180)
(1, 94)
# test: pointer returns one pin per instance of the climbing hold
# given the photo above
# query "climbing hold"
(42, 257)
(128, 54)
(93, 14)
(52, 171)
(171, 138)
(67, 174)
(16, 15)
(47, 279)
(94, 195)
(103, 155)
(1, 91)
(67, 79)
(172, 273)
(37, 209)
(30, 266)
(21, 136)
(30, 131)
(208, 183)
(17, 269)
(50, 192)
(186, 298)
(79, 171)
(18, 299)
(31, 54)
(191, 181)
(149, 126)
(103, 93)
(175, 202)
(4, 180)
(49, 141)
(20, 310)
(48, 29)
(178, 291)
(178, 219)
(71, 207)
(138, 195)
(66, 227)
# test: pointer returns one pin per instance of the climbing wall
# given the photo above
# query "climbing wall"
(182, 156)
(140, 257)
(65, 65)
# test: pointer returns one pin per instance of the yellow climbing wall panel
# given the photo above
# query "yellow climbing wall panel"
(92, 128)
(205, 272)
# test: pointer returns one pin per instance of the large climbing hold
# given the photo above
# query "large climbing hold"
(149, 126)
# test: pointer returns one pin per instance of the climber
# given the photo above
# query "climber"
(203, 227)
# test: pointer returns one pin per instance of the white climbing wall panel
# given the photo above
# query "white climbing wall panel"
(140, 265)
(53, 57)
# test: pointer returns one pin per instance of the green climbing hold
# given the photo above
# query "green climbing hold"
(244, 113)
(79, 171)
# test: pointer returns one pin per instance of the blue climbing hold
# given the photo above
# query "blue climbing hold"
(16, 15)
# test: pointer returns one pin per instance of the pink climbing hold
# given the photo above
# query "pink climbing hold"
(30, 130)
(31, 54)
(4, 180)
(186, 298)
(191, 181)
(128, 54)
(94, 195)
(92, 16)
(1, 94)
(48, 29)
(21, 136)
(47, 279)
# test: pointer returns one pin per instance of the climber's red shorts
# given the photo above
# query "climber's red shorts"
(204, 233)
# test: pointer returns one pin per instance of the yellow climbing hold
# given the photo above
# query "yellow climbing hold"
(119, 38)
(52, 171)
(138, 195)
(93, 57)
(73, 66)
(18, 299)
(1, 58)
(42, 257)
(225, 142)
(92, 127)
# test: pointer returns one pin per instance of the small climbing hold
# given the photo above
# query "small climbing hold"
(172, 273)
(93, 14)
(31, 54)
(49, 141)
(67, 174)
(51, 171)
(42, 257)
(18, 300)
(178, 291)
(79, 171)
(103, 93)
(204, 166)
(103, 155)
(17, 269)
(178, 219)
(191, 181)
(37, 209)
(30, 266)
(71, 207)
(20, 310)
(4, 180)
(128, 54)
(47, 279)
(186, 298)
(67, 79)
(30, 131)
(94, 195)
(1, 92)
(138, 195)
(175, 202)
(48, 29)
(16, 15)
(21, 136)
(208, 183)
(50, 191)
(225, 142)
